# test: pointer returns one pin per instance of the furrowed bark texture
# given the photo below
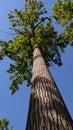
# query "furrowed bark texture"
(47, 110)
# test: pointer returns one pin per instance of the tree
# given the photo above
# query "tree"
(4, 124)
(47, 110)
(62, 12)
(34, 33)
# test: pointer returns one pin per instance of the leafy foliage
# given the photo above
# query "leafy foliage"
(63, 14)
(32, 26)
(4, 124)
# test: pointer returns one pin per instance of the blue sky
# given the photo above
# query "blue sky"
(15, 107)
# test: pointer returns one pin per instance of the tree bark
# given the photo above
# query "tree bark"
(47, 110)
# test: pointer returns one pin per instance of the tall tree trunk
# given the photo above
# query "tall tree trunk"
(47, 110)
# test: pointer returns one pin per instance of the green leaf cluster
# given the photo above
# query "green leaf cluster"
(63, 14)
(32, 26)
(4, 124)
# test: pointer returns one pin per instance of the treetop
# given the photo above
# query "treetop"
(32, 26)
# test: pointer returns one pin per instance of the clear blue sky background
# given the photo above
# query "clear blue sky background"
(15, 107)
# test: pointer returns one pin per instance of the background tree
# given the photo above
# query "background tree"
(63, 14)
(4, 124)
(32, 26)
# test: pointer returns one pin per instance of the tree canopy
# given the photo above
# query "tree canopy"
(4, 124)
(63, 14)
(31, 26)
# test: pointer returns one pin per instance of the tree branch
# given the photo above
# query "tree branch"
(42, 20)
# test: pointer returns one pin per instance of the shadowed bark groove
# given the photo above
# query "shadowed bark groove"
(47, 110)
